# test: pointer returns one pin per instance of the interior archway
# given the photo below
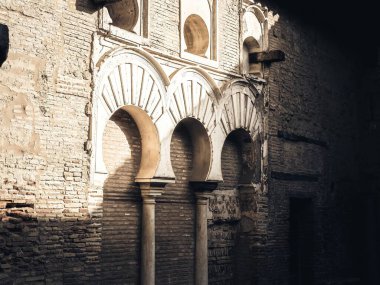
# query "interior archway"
(175, 211)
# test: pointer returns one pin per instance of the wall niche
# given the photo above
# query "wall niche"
(127, 19)
(254, 38)
(199, 31)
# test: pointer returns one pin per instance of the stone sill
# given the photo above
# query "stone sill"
(199, 59)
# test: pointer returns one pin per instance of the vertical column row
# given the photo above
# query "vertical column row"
(149, 192)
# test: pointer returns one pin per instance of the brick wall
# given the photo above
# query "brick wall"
(175, 216)
(45, 85)
(312, 139)
(47, 234)
(121, 220)
(222, 230)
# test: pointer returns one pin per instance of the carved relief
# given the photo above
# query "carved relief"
(225, 208)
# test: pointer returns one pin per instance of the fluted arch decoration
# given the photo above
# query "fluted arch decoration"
(239, 109)
(193, 93)
(132, 80)
(240, 112)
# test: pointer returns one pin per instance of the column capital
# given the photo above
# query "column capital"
(204, 186)
(152, 188)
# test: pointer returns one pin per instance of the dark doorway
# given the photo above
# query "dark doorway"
(4, 43)
(301, 233)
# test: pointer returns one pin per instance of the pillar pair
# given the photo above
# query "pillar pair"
(149, 192)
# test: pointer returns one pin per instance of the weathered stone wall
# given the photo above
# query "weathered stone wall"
(44, 86)
(225, 213)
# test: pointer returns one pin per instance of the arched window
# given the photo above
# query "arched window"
(254, 38)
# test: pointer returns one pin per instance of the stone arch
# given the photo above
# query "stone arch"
(194, 94)
(239, 110)
(232, 204)
(131, 80)
(254, 38)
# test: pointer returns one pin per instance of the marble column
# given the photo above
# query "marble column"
(201, 247)
(202, 192)
(149, 192)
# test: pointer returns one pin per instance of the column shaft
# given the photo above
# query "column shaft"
(201, 248)
(148, 242)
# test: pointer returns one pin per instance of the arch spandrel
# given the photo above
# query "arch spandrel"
(130, 80)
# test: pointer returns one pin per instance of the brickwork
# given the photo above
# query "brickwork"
(121, 221)
(223, 229)
(175, 236)
(312, 96)
(45, 84)
(60, 227)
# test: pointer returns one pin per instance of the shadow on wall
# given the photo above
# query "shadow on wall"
(4, 43)
(121, 216)
(78, 248)
(46, 250)
(88, 6)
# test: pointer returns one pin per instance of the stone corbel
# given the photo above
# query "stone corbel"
(266, 56)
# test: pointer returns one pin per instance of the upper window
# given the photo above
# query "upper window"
(198, 31)
(254, 24)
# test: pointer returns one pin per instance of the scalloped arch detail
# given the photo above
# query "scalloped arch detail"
(193, 93)
(239, 109)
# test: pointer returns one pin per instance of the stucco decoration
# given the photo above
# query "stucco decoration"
(194, 94)
(132, 80)
(239, 109)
